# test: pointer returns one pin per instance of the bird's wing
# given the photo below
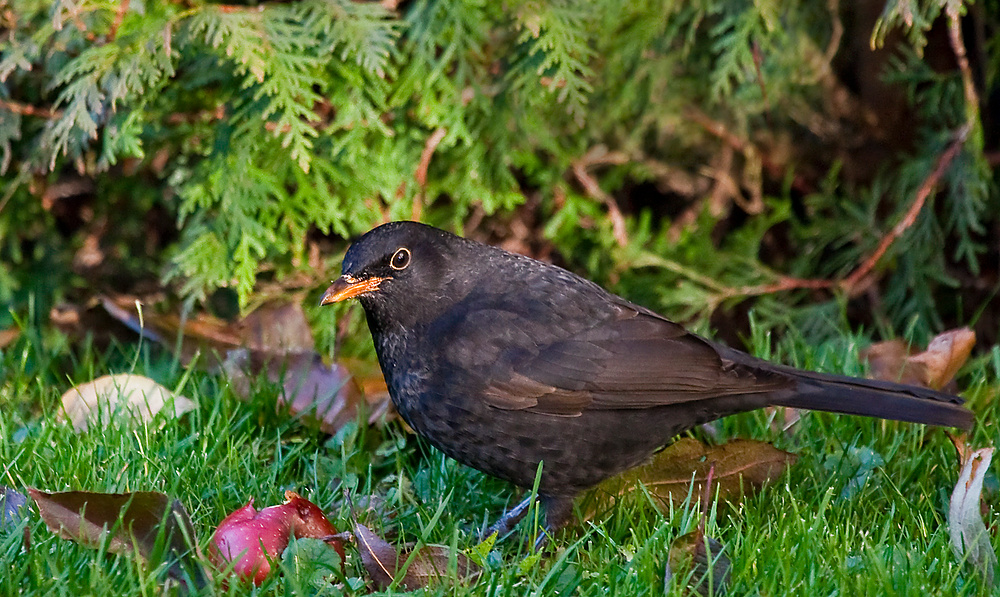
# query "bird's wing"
(633, 360)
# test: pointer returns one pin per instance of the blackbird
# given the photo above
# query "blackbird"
(505, 364)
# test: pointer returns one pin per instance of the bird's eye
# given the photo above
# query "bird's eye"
(400, 259)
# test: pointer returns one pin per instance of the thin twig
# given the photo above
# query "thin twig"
(428, 152)
(421, 175)
(958, 46)
(717, 129)
(600, 156)
(850, 283)
(784, 283)
(836, 32)
(29, 110)
(758, 59)
(119, 18)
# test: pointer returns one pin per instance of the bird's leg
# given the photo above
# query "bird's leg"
(558, 509)
(506, 523)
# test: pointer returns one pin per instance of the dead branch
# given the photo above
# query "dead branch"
(119, 18)
(850, 283)
(958, 46)
(421, 174)
(29, 110)
(718, 129)
(428, 152)
(600, 155)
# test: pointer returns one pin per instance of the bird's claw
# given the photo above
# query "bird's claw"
(506, 523)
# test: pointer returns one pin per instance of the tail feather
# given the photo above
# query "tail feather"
(874, 398)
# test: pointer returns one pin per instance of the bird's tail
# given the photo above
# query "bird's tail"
(873, 398)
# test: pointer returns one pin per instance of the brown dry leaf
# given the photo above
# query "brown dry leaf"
(274, 340)
(202, 334)
(273, 328)
(311, 389)
(892, 360)
(97, 401)
(149, 522)
(738, 467)
(276, 328)
(89, 321)
(380, 559)
(887, 361)
(433, 564)
(702, 558)
(7, 336)
(430, 565)
(944, 356)
(785, 418)
(962, 447)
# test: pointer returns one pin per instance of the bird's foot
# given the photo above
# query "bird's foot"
(506, 523)
(557, 512)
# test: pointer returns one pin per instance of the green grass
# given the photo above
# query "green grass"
(829, 527)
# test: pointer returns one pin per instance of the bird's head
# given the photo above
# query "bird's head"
(402, 272)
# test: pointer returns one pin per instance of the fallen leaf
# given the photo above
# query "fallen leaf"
(380, 559)
(7, 336)
(887, 361)
(701, 561)
(431, 563)
(785, 418)
(97, 401)
(12, 506)
(893, 360)
(970, 539)
(89, 323)
(274, 340)
(276, 328)
(740, 466)
(147, 522)
(200, 334)
(944, 356)
(963, 449)
(326, 394)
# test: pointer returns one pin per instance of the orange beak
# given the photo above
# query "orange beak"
(347, 286)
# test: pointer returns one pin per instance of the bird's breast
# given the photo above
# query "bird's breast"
(406, 372)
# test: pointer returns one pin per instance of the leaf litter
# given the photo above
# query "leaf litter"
(273, 341)
(739, 467)
(147, 523)
(98, 402)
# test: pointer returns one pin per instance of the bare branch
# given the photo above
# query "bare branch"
(29, 110)
(600, 155)
(850, 283)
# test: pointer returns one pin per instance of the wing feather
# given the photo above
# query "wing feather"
(633, 359)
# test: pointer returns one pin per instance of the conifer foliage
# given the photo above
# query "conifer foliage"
(690, 154)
